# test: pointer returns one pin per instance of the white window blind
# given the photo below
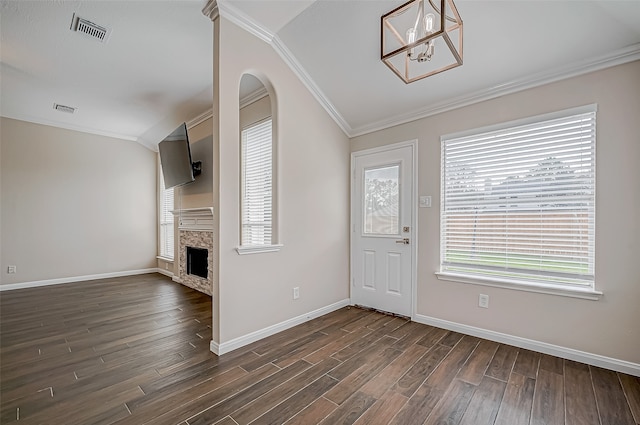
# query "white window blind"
(257, 184)
(518, 204)
(166, 221)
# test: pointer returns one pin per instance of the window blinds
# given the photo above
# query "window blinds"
(166, 221)
(257, 184)
(519, 203)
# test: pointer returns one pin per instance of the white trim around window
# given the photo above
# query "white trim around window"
(257, 249)
(166, 226)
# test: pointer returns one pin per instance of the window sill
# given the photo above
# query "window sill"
(258, 249)
(565, 291)
(167, 259)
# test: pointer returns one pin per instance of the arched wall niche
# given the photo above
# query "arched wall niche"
(257, 102)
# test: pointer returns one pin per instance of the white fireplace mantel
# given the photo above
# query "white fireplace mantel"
(195, 219)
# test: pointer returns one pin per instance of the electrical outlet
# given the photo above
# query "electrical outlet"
(11, 269)
(425, 202)
(483, 301)
(296, 293)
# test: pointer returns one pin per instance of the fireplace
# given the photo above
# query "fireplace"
(197, 255)
(197, 261)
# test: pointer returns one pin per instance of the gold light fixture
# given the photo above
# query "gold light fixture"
(421, 38)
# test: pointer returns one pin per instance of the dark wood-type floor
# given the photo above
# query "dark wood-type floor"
(135, 350)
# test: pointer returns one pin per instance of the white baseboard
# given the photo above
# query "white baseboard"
(37, 283)
(165, 272)
(236, 343)
(219, 349)
(214, 347)
(542, 347)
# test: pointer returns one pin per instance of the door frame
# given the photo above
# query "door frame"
(413, 208)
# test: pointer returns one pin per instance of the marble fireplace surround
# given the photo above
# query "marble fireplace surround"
(195, 229)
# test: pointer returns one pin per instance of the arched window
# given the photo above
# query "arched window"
(257, 168)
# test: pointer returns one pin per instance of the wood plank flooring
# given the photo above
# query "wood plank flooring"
(135, 350)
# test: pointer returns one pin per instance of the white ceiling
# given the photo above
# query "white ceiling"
(155, 70)
(155, 67)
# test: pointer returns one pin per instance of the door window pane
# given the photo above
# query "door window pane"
(381, 200)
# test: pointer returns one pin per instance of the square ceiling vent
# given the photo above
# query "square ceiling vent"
(90, 29)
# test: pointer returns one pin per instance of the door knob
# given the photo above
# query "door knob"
(404, 241)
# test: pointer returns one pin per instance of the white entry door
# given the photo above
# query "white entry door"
(383, 229)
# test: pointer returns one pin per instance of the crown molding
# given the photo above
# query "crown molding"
(211, 10)
(199, 119)
(245, 101)
(67, 126)
(253, 97)
(239, 18)
(617, 57)
(308, 82)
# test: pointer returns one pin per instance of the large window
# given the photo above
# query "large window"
(518, 203)
(166, 221)
(257, 184)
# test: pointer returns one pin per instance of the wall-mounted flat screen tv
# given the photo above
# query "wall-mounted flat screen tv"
(175, 158)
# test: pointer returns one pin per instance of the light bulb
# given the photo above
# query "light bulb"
(430, 49)
(429, 20)
(411, 38)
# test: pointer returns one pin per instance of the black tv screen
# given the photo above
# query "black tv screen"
(175, 158)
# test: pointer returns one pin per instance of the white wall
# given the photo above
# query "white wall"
(608, 327)
(74, 204)
(255, 291)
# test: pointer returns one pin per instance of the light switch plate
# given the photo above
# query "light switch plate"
(425, 202)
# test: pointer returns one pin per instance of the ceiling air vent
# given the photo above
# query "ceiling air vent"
(89, 29)
(64, 108)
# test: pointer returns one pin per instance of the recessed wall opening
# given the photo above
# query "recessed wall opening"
(197, 261)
